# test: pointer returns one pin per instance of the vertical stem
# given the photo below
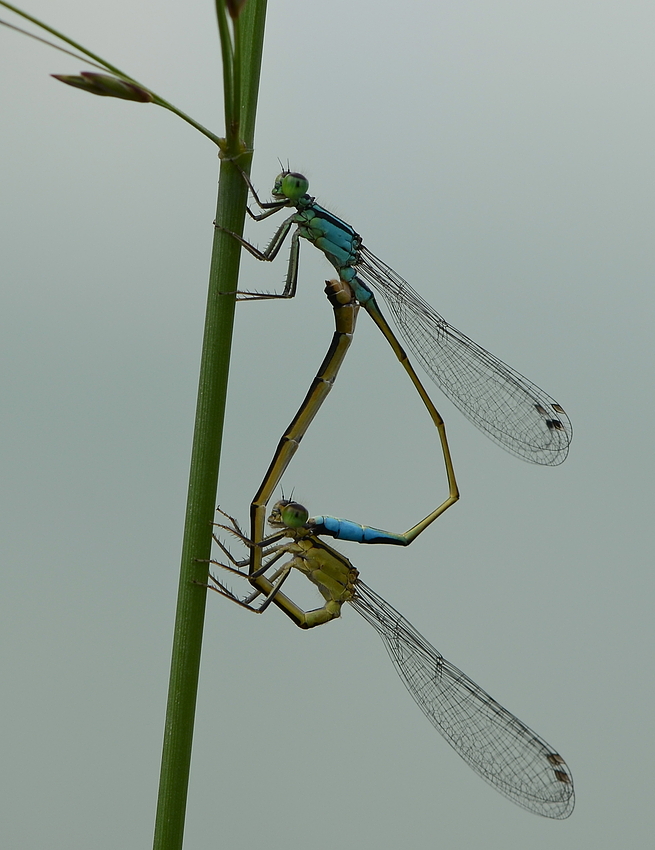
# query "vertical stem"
(251, 39)
(203, 476)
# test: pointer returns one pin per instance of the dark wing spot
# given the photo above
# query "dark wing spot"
(555, 758)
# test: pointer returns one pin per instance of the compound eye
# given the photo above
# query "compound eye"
(293, 185)
(294, 515)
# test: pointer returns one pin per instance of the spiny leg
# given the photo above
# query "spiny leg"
(268, 255)
(277, 580)
(270, 206)
(270, 552)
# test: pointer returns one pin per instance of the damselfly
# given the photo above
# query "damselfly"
(509, 408)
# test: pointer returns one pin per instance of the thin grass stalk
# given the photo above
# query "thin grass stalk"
(210, 412)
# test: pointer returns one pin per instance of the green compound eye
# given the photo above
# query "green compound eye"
(294, 515)
(290, 185)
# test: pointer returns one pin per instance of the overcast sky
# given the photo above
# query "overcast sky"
(499, 155)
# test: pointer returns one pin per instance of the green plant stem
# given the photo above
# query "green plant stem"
(203, 477)
(251, 40)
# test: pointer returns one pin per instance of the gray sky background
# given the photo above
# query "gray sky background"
(499, 155)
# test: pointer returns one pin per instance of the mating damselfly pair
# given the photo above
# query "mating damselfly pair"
(512, 410)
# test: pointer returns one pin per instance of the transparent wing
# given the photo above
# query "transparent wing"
(512, 410)
(497, 745)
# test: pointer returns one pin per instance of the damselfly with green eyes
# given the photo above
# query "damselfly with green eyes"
(497, 745)
(509, 408)
(492, 741)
